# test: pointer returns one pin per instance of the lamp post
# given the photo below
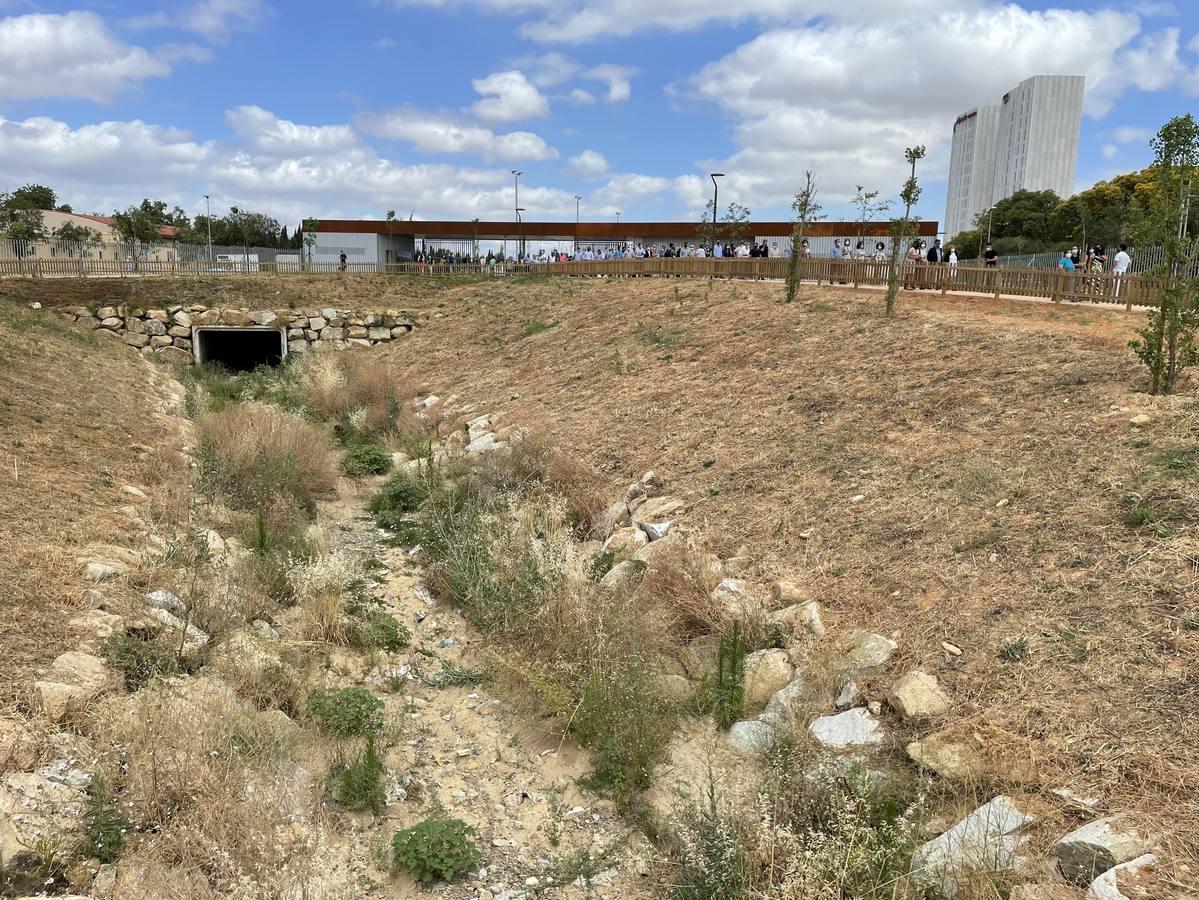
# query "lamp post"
(578, 199)
(990, 216)
(516, 173)
(520, 237)
(715, 201)
(208, 218)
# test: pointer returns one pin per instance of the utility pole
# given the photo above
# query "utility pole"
(578, 199)
(208, 218)
(516, 173)
(715, 202)
(520, 237)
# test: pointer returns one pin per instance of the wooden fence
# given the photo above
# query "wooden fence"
(1055, 285)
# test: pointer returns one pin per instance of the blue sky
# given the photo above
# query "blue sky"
(424, 106)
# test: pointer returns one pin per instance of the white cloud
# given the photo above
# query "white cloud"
(1109, 151)
(580, 97)
(268, 134)
(1128, 134)
(588, 164)
(109, 165)
(508, 97)
(547, 69)
(385, 43)
(70, 55)
(626, 191)
(440, 133)
(800, 101)
(617, 79)
(217, 19)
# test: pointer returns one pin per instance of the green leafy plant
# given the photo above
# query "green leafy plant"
(141, 661)
(358, 783)
(436, 849)
(1167, 339)
(346, 712)
(712, 858)
(365, 459)
(1014, 650)
(377, 630)
(105, 829)
(402, 495)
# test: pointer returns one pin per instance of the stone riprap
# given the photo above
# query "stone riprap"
(167, 331)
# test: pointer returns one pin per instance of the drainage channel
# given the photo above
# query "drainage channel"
(238, 349)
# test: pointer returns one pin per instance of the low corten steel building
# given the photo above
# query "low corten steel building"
(366, 241)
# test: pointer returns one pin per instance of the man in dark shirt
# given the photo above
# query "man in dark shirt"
(990, 258)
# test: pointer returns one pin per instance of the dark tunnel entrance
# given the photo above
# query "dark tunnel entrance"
(240, 349)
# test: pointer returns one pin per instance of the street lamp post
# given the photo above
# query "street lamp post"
(990, 216)
(578, 199)
(516, 173)
(715, 201)
(520, 237)
(208, 211)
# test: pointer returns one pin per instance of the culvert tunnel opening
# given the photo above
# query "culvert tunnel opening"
(239, 349)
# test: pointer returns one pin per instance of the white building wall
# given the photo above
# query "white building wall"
(358, 248)
(1027, 142)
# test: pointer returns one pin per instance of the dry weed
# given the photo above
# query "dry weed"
(358, 391)
(678, 585)
(319, 586)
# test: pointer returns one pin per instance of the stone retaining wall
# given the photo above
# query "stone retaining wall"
(167, 331)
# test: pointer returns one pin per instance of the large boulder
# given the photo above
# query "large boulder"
(609, 520)
(99, 569)
(624, 577)
(1094, 848)
(657, 509)
(954, 759)
(988, 840)
(751, 736)
(624, 542)
(798, 618)
(766, 672)
(194, 639)
(852, 728)
(1133, 880)
(731, 597)
(788, 702)
(19, 747)
(73, 680)
(918, 695)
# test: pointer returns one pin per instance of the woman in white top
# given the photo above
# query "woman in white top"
(953, 261)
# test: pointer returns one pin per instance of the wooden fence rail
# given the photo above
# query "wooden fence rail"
(1055, 285)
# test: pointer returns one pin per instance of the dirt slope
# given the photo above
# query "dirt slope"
(965, 473)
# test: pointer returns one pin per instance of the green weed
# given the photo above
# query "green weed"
(436, 849)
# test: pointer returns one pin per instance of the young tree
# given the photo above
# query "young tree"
(1167, 342)
(807, 210)
(899, 227)
(869, 208)
(69, 232)
(735, 223)
(311, 226)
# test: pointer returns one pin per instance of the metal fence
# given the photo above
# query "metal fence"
(1049, 284)
(1144, 259)
(129, 252)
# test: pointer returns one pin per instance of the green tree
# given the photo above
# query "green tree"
(70, 233)
(311, 227)
(869, 208)
(1167, 341)
(900, 227)
(32, 196)
(807, 210)
(21, 216)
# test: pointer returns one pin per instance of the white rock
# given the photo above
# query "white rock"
(1140, 421)
(624, 542)
(1118, 883)
(195, 638)
(751, 736)
(766, 672)
(138, 495)
(657, 509)
(481, 444)
(787, 702)
(624, 576)
(799, 617)
(986, 840)
(918, 695)
(1094, 848)
(166, 600)
(867, 652)
(655, 531)
(853, 728)
(99, 569)
(610, 519)
(849, 695)
(35, 813)
(730, 596)
(215, 544)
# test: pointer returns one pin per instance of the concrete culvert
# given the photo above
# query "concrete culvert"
(239, 349)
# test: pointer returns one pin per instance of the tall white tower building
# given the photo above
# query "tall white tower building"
(1028, 142)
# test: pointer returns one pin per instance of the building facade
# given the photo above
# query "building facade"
(1026, 142)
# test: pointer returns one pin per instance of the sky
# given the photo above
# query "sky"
(353, 108)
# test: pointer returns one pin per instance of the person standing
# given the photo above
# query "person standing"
(1120, 266)
(341, 262)
(1096, 265)
(953, 261)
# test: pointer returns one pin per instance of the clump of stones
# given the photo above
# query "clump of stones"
(168, 331)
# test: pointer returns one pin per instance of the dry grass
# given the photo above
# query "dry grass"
(320, 587)
(76, 424)
(254, 453)
(770, 419)
(184, 755)
(358, 392)
(679, 584)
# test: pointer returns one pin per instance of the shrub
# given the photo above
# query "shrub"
(105, 829)
(254, 454)
(359, 394)
(320, 586)
(358, 784)
(712, 864)
(403, 493)
(141, 661)
(365, 459)
(436, 849)
(346, 712)
(728, 692)
(679, 583)
(377, 630)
